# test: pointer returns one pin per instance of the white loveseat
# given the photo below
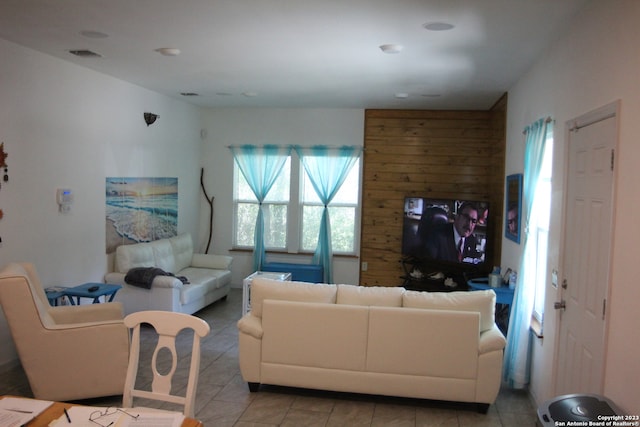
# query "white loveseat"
(208, 275)
(373, 340)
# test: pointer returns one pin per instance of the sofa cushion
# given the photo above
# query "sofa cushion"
(370, 295)
(483, 302)
(163, 255)
(214, 278)
(218, 262)
(448, 340)
(262, 289)
(223, 277)
(132, 256)
(182, 246)
(329, 336)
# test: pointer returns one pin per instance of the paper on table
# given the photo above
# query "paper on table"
(16, 411)
(151, 419)
(14, 419)
(25, 404)
(79, 416)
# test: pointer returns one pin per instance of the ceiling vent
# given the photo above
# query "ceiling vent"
(84, 53)
(189, 94)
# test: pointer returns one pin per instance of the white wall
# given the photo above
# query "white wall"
(65, 126)
(595, 63)
(225, 127)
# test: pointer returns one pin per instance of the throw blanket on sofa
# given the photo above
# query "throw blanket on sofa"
(143, 276)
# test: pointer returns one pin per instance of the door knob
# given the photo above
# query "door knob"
(560, 305)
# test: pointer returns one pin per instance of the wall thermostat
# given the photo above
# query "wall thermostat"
(64, 197)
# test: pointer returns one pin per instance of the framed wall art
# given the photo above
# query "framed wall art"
(140, 210)
(513, 207)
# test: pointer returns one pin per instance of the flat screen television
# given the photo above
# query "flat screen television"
(449, 232)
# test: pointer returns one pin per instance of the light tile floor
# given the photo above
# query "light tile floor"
(223, 399)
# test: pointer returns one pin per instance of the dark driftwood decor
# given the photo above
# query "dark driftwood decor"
(210, 201)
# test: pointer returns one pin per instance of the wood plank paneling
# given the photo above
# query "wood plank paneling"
(442, 154)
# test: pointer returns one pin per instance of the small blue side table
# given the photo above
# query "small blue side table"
(82, 291)
(54, 294)
(504, 299)
(504, 295)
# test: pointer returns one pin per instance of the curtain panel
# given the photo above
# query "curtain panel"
(327, 168)
(517, 364)
(260, 166)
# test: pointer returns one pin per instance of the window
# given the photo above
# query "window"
(293, 212)
(539, 227)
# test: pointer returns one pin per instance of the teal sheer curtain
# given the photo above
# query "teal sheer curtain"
(327, 168)
(260, 166)
(516, 370)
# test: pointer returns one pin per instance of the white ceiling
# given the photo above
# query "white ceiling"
(300, 53)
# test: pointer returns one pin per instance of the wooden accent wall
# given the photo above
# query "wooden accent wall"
(440, 154)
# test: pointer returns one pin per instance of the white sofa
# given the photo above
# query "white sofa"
(208, 275)
(373, 340)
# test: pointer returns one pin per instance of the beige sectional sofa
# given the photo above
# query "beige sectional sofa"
(208, 276)
(373, 340)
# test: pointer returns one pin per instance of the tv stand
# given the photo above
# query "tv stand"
(425, 275)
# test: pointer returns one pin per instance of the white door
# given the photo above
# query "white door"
(586, 252)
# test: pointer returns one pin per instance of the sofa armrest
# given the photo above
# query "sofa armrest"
(166, 282)
(491, 340)
(251, 325)
(84, 325)
(89, 313)
(217, 262)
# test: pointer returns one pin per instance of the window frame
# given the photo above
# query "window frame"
(295, 206)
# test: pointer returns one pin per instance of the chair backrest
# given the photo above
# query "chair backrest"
(23, 298)
(167, 326)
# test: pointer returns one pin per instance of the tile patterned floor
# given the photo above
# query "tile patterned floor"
(223, 399)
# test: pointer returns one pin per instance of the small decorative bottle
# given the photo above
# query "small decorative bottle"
(513, 278)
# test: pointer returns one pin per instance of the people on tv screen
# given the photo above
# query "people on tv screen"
(445, 230)
(456, 241)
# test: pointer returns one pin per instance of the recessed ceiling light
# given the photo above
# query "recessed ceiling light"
(168, 51)
(438, 26)
(94, 34)
(391, 48)
(402, 95)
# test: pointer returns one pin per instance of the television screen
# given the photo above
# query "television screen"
(445, 230)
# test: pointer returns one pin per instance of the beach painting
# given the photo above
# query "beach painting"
(140, 210)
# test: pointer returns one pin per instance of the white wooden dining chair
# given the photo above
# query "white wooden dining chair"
(167, 326)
